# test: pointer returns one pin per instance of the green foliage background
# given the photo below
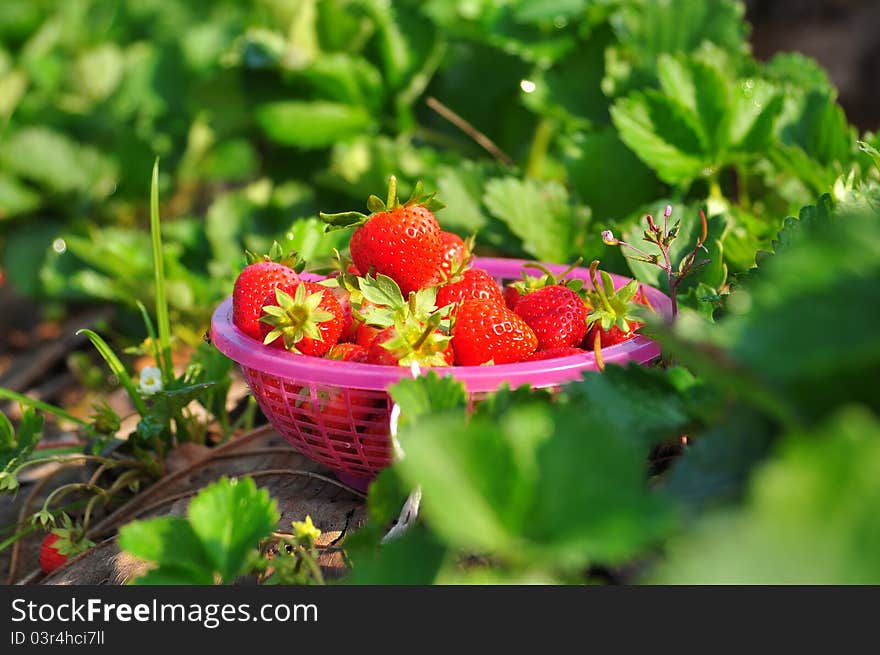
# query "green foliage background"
(265, 111)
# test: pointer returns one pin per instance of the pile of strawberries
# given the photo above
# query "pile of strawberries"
(410, 294)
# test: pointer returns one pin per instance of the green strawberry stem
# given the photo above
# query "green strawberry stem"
(662, 238)
(594, 265)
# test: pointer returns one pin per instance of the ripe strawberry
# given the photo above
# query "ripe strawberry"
(366, 334)
(472, 284)
(514, 291)
(486, 331)
(50, 558)
(61, 544)
(614, 315)
(401, 241)
(511, 295)
(552, 353)
(556, 314)
(348, 352)
(255, 282)
(306, 316)
(346, 409)
(454, 253)
(349, 326)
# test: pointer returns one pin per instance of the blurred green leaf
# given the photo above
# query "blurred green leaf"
(810, 517)
(537, 213)
(311, 124)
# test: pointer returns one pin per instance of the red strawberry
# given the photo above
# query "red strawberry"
(485, 331)
(552, 353)
(366, 334)
(346, 409)
(511, 296)
(614, 313)
(472, 284)
(401, 241)
(254, 283)
(514, 291)
(306, 316)
(556, 314)
(61, 544)
(50, 558)
(454, 252)
(348, 352)
(349, 326)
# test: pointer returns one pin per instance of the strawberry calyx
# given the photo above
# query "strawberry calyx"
(70, 538)
(530, 283)
(612, 308)
(413, 341)
(295, 318)
(278, 256)
(376, 205)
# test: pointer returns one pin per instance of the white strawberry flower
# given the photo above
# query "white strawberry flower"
(151, 381)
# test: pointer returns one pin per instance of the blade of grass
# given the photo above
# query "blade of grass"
(151, 333)
(9, 394)
(159, 268)
(117, 369)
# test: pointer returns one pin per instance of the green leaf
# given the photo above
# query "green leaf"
(647, 30)
(810, 517)
(170, 543)
(427, 394)
(381, 290)
(871, 151)
(663, 134)
(607, 176)
(16, 198)
(538, 213)
(533, 485)
(310, 125)
(638, 403)
(413, 559)
(756, 108)
(229, 517)
(54, 160)
(702, 89)
(117, 368)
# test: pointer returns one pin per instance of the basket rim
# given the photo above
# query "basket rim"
(251, 353)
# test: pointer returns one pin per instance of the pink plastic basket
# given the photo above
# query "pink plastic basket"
(337, 413)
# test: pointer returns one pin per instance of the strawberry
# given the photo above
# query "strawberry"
(552, 353)
(61, 544)
(472, 284)
(255, 282)
(395, 346)
(366, 334)
(454, 253)
(485, 331)
(348, 352)
(556, 314)
(401, 332)
(614, 315)
(514, 291)
(401, 241)
(349, 326)
(50, 557)
(306, 316)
